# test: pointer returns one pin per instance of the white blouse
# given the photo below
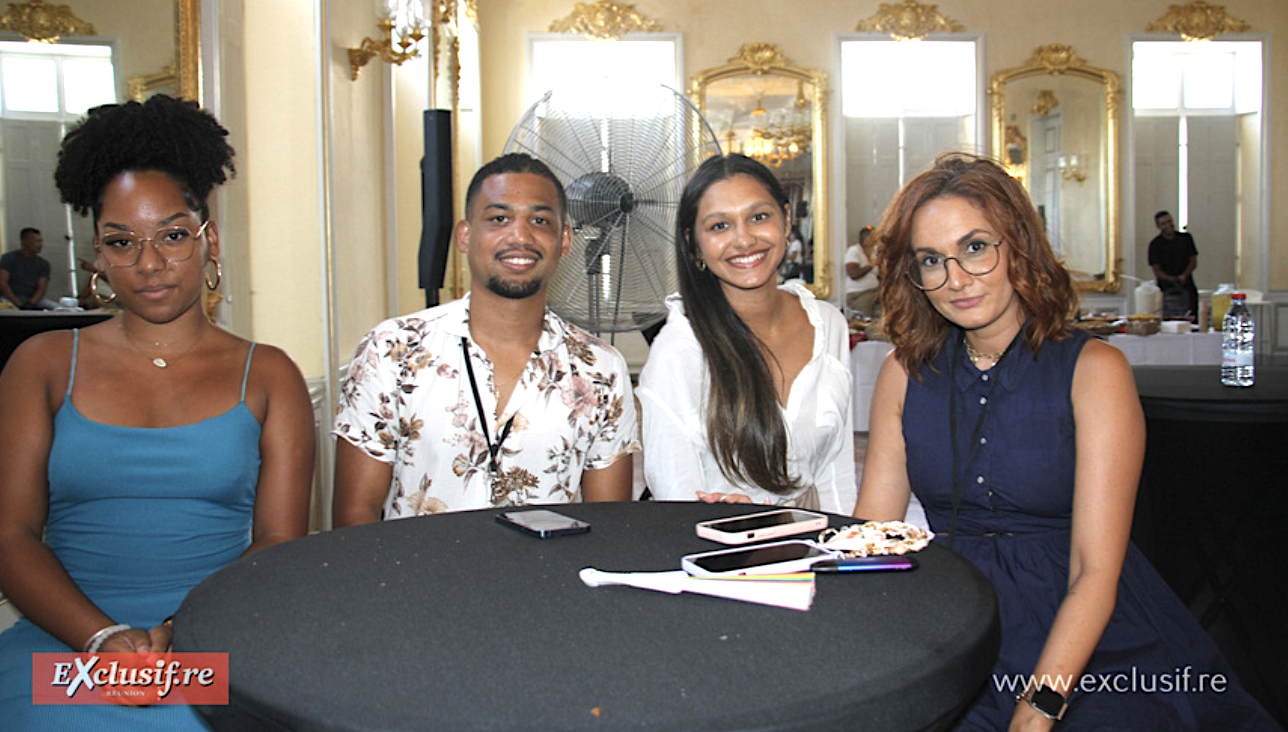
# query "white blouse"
(673, 390)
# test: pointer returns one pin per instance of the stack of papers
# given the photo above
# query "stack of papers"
(793, 591)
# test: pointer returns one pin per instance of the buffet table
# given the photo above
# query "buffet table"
(457, 622)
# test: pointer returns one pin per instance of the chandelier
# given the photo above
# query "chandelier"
(784, 135)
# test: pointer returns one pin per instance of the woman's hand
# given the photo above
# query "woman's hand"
(724, 498)
(138, 640)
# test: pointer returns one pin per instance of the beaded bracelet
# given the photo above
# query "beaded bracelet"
(96, 641)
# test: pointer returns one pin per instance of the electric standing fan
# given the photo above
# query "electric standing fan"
(623, 155)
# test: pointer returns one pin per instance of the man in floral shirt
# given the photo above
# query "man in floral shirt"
(491, 400)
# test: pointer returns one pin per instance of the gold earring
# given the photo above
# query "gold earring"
(702, 265)
(93, 288)
(219, 276)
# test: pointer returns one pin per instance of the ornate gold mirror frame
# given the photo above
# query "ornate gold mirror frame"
(184, 74)
(766, 61)
(1012, 145)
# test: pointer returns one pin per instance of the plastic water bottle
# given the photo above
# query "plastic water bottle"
(1237, 349)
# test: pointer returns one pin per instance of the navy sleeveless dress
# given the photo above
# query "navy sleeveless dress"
(1155, 667)
(137, 516)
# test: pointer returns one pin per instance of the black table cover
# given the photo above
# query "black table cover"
(457, 622)
(17, 326)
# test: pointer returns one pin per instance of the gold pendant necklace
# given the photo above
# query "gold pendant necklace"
(158, 361)
(977, 355)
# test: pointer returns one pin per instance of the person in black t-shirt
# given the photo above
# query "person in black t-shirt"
(1173, 257)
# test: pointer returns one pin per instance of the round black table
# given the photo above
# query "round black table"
(457, 622)
(1212, 507)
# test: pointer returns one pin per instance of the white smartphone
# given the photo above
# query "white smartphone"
(761, 526)
(543, 523)
(779, 557)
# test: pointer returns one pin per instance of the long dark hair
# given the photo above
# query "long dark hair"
(744, 423)
(1044, 288)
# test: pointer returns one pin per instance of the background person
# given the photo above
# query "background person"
(145, 452)
(1024, 439)
(861, 281)
(24, 274)
(1173, 257)
(490, 400)
(746, 393)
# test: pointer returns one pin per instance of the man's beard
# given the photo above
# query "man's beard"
(513, 290)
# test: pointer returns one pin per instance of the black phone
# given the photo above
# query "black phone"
(543, 523)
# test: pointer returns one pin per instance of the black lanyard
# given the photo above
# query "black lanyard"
(492, 449)
(960, 470)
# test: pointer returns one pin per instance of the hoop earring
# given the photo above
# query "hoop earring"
(93, 288)
(219, 276)
(701, 264)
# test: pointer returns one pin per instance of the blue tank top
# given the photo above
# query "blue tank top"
(138, 516)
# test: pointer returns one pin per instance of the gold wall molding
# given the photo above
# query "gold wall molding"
(1046, 102)
(40, 21)
(604, 21)
(909, 20)
(1197, 21)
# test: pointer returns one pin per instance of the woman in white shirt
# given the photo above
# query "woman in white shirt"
(746, 393)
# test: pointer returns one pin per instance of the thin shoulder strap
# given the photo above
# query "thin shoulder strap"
(71, 379)
(246, 373)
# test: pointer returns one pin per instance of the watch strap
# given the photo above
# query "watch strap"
(1051, 703)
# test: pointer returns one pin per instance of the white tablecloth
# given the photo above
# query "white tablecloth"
(1160, 349)
(1170, 349)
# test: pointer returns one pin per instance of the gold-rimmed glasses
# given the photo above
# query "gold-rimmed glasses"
(929, 270)
(173, 243)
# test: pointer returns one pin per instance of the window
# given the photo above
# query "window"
(575, 63)
(902, 104)
(1197, 127)
(58, 81)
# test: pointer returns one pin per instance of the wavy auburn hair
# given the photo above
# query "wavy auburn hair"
(744, 424)
(1043, 286)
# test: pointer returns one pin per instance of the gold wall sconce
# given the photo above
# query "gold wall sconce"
(402, 18)
(1070, 170)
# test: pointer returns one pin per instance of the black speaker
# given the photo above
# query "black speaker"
(435, 203)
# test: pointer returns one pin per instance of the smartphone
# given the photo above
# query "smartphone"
(894, 562)
(761, 526)
(543, 523)
(794, 555)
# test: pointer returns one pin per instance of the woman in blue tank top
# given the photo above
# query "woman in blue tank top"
(145, 452)
(1024, 439)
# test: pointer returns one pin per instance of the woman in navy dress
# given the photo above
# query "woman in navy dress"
(1024, 438)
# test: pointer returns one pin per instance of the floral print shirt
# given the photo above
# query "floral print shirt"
(406, 400)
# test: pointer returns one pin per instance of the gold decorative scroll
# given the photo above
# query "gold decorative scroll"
(39, 21)
(604, 21)
(759, 58)
(137, 87)
(909, 20)
(1045, 103)
(1197, 21)
(1056, 58)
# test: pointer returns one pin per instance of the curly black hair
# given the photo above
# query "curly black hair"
(163, 134)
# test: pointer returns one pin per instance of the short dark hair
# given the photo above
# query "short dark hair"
(28, 231)
(515, 163)
(168, 135)
(1160, 215)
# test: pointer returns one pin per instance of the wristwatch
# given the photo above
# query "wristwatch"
(1046, 700)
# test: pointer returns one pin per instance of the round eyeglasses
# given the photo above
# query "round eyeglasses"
(929, 270)
(173, 243)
